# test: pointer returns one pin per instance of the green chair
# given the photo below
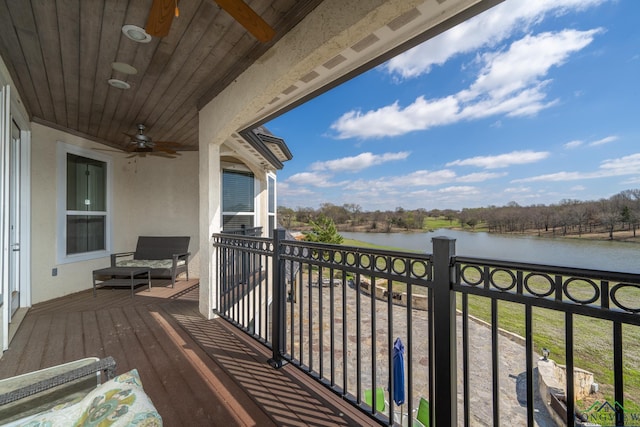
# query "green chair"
(423, 412)
(380, 403)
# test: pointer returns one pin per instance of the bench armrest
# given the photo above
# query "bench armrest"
(114, 257)
(184, 256)
(107, 365)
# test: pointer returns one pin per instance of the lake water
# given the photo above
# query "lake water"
(580, 253)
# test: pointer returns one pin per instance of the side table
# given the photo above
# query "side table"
(122, 276)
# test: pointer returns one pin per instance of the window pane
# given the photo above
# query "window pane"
(272, 194)
(237, 191)
(235, 222)
(86, 184)
(85, 233)
(272, 225)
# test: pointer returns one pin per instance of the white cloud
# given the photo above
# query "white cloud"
(311, 178)
(627, 165)
(285, 190)
(485, 30)
(359, 162)
(558, 176)
(518, 190)
(512, 71)
(421, 178)
(510, 83)
(573, 144)
(459, 189)
(393, 120)
(603, 141)
(622, 166)
(480, 177)
(632, 181)
(502, 160)
(577, 143)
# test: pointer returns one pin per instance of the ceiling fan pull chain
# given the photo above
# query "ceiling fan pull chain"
(177, 10)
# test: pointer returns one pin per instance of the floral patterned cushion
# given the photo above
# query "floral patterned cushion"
(151, 263)
(119, 402)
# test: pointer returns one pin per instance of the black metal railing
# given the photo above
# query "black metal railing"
(335, 312)
(245, 231)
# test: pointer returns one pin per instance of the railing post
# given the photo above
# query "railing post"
(443, 326)
(278, 305)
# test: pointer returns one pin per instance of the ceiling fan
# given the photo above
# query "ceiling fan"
(162, 13)
(141, 145)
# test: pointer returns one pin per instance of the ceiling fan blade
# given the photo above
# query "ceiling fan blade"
(247, 17)
(166, 144)
(160, 17)
(167, 150)
(108, 149)
(163, 154)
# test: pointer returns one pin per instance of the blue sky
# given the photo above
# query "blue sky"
(531, 102)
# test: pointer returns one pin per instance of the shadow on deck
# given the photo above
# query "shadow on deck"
(197, 372)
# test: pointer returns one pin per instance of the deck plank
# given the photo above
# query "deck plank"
(197, 372)
(164, 383)
(73, 346)
(91, 335)
(55, 340)
(31, 356)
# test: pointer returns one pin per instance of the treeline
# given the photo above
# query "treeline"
(619, 212)
(351, 217)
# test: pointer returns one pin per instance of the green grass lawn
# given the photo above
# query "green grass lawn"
(593, 343)
(361, 244)
(440, 222)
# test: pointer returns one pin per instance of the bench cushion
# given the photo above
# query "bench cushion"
(118, 402)
(151, 263)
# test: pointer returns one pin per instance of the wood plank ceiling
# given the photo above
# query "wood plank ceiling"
(60, 55)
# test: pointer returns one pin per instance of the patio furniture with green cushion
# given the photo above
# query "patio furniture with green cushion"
(166, 256)
(380, 402)
(121, 401)
(423, 415)
(64, 384)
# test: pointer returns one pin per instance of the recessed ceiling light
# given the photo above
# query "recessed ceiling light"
(136, 33)
(124, 68)
(119, 84)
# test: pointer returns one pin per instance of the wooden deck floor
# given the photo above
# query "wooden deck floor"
(197, 372)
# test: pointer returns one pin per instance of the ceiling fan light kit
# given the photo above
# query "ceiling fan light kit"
(135, 33)
(119, 84)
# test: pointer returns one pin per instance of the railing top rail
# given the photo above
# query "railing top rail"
(357, 250)
(550, 269)
(247, 231)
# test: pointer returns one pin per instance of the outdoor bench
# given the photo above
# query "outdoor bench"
(166, 256)
(76, 393)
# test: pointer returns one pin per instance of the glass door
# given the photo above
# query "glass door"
(14, 218)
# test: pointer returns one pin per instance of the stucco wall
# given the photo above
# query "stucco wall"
(151, 196)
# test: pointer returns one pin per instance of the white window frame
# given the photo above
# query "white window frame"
(256, 191)
(62, 150)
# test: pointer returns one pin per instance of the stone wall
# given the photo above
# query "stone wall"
(552, 379)
(418, 302)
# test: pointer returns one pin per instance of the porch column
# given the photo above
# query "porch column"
(210, 184)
